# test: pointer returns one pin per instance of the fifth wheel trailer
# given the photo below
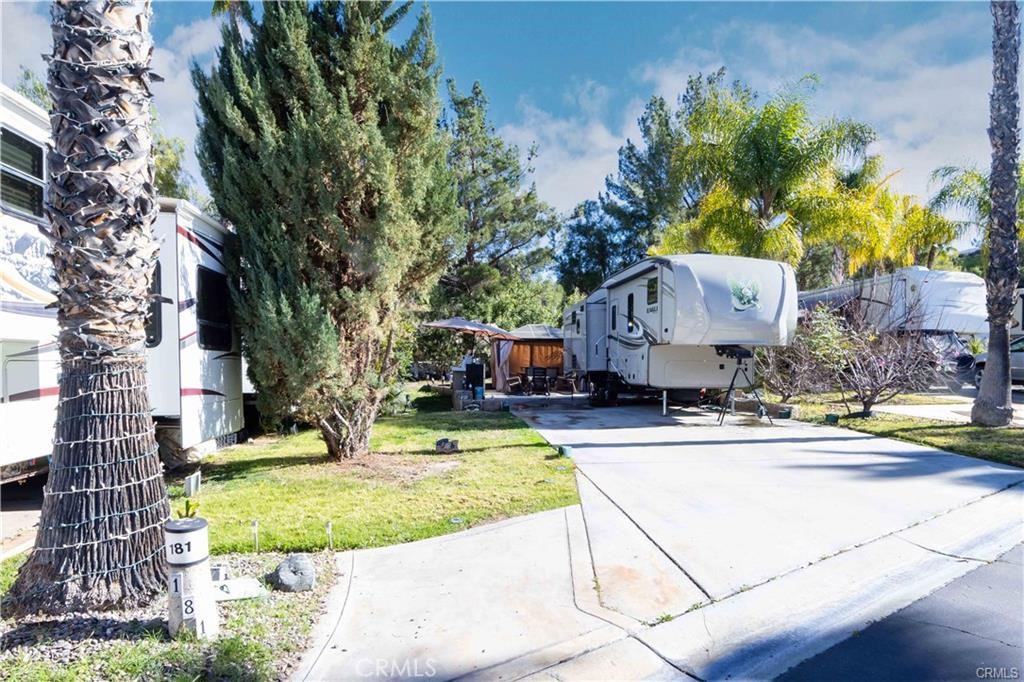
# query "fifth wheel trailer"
(194, 365)
(193, 359)
(679, 323)
(913, 298)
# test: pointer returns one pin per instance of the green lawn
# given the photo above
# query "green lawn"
(997, 445)
(401, 492)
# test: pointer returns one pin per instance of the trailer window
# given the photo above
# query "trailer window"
(213, 310)
(652, 290)
(23, 178)
(629, 312)
(614, 315)
(154, 323)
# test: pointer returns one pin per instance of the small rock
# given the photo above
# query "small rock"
(295, 574)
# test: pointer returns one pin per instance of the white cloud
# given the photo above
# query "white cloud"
(175, 97)
(575, 152)
(25, 36)
(928, 111)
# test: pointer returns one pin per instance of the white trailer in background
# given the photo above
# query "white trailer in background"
(913, 299)
(194, 364)
(679, 324)
(193, 348)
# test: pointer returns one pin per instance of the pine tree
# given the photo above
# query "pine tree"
(319, 142)
(644, 198)
(589, 251)
(505, 221)
(496, 275)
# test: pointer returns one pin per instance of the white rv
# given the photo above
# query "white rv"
(194, 362)
(913, 298)
(679, 323)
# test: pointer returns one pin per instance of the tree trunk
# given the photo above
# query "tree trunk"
(933, 251)
(838, 269)
(100, 540)
(347, 431)
(993, 406)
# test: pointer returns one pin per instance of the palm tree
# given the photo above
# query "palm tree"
(100, 539)
(994, 406)
(761, 160)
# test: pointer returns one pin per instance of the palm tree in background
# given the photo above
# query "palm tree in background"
(100, 539)
(761, 162)
(993, 406)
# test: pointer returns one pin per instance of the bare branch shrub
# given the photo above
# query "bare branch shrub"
(880, 365)
(811, 363)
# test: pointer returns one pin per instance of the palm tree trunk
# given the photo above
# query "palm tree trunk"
(100, 540)
(993, 406)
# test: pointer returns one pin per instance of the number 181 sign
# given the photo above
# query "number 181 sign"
(187, 541)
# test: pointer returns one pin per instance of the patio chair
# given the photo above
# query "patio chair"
(539, 380)
(514, 384)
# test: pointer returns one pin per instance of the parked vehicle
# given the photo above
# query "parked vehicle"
(1016, 363)
(954, 364)
(195, 375)
(679, 324)
(913, 298)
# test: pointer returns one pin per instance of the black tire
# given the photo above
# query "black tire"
(979, 370)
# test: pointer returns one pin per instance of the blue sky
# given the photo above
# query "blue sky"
(573, 77)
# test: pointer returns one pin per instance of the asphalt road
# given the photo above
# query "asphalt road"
(971, 629)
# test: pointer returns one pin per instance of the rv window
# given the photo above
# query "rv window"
(21, 195)
(629, 312)
(652, 290)
(154, 323)
(613, 316)
(23, 178)
(213, 310)
(21, 154)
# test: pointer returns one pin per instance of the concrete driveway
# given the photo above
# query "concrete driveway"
(783, 539)
(697, 551)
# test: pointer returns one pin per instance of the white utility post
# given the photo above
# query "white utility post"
(191, 602)
(664, 402)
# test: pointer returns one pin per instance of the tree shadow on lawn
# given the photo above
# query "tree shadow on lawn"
(425, 458)
(457, 421)
(244, 467)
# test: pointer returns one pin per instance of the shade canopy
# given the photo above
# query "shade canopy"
(538, 332)
(461, 324)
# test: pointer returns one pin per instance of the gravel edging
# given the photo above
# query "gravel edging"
(282, 623)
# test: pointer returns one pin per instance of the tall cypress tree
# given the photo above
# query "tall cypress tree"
(319, 142)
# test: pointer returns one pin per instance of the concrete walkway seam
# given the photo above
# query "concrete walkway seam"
(646, 535)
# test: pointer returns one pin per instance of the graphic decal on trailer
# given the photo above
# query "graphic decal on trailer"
(745, 294)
